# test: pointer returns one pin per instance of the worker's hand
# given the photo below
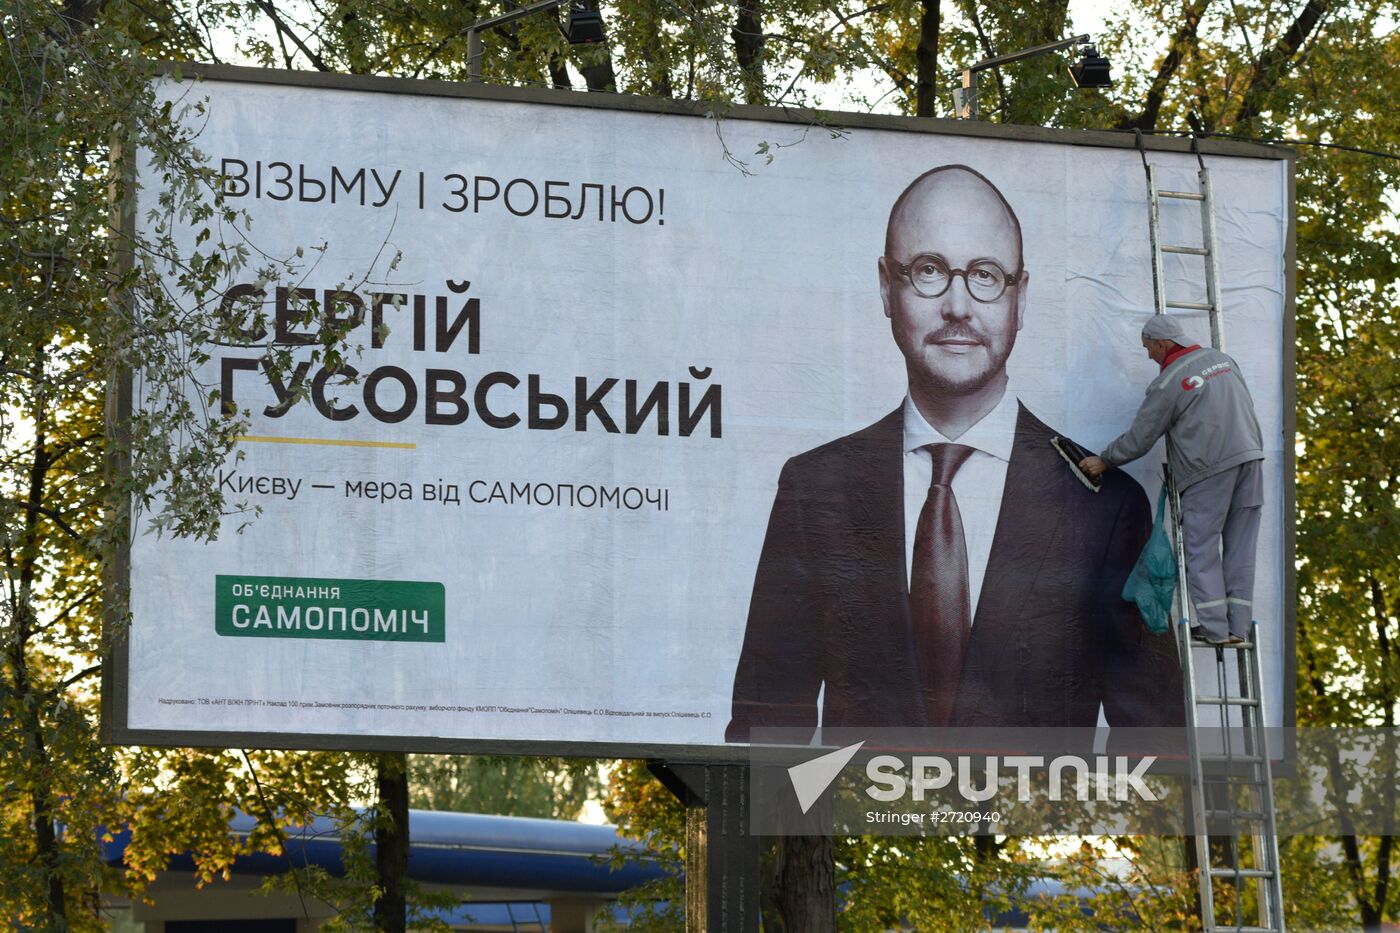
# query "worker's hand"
(1093, 467)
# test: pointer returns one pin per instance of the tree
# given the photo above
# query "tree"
(649, 813)
(71, 93)
(83, 305)
(545, 788)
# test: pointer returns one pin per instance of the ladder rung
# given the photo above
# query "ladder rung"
(1241, 873)
(1237, 646)
(1231, 781)
(1252, 816)
(1187, 250)
(1182, 195)
(1235, 929)
(1190, 305)
(1227, 701)
(1234, 759)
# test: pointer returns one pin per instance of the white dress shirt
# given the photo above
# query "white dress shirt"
(977, 485)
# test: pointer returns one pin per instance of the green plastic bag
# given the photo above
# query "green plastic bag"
(1153, 581)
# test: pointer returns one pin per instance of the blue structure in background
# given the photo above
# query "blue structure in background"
(515, 874)
(513, 869)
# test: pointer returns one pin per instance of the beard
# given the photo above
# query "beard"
(939, 370)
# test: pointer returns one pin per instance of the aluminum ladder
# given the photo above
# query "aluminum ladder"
(1231, 787)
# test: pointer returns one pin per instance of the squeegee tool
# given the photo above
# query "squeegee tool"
(1072, 454)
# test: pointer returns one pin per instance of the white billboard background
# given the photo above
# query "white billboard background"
(769, 281)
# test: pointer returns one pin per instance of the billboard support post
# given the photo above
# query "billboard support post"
(721, 855)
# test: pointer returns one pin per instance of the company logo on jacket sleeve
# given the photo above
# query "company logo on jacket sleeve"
(1210, 372)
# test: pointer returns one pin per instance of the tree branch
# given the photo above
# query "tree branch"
(78, 15)
(901, 80)
(1185, 39)
(62, 686)
(1383, 864)
(987, 50)
(1351, 850)
(36, 509)
(269, 817)
(1378, 607)
(1274, 64)
(283, 29)
(1382, 612)
(59, 451)
(67, 611)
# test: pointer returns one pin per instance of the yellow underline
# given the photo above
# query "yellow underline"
(325, 442)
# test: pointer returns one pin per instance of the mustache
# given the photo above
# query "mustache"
(954, 332)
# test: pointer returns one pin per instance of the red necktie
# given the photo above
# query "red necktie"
(938, 591)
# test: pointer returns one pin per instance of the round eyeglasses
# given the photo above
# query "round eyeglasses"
(930, 277)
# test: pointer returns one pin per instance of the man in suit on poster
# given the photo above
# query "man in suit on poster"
(944, 566)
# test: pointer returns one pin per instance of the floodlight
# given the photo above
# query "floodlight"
(582, 26)
(1091, 70)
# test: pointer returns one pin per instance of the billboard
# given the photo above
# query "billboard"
(636, 451)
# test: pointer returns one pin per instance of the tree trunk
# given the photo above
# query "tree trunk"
(41, 796)
(557, 64)
(1371, 920)
(391, 843)
(926, 83)
(558, 74)
(599, 76)
(748, 49)
(806, 870)
(45, 839)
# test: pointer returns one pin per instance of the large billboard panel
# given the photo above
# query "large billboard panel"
(645, 450)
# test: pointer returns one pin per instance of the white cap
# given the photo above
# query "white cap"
(1163, 327)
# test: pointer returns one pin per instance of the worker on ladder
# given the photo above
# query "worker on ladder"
(1200, 401)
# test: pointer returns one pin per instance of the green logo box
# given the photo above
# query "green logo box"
(321, 607)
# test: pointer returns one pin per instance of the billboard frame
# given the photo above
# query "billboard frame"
(115, 728)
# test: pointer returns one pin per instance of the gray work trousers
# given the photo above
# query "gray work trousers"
(1220, 529)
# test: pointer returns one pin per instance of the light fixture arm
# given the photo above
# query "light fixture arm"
(967, 94)
(475, 30)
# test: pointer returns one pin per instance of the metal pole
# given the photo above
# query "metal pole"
(474, 55)
(1032, 52)
(967, 103)
(475, 30)
(967, 100)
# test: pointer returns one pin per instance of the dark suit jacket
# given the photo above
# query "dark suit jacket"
(1052, 637)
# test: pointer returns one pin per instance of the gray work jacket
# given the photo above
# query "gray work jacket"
(1201, 403)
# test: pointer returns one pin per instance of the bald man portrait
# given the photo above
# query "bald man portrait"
(943, 566)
